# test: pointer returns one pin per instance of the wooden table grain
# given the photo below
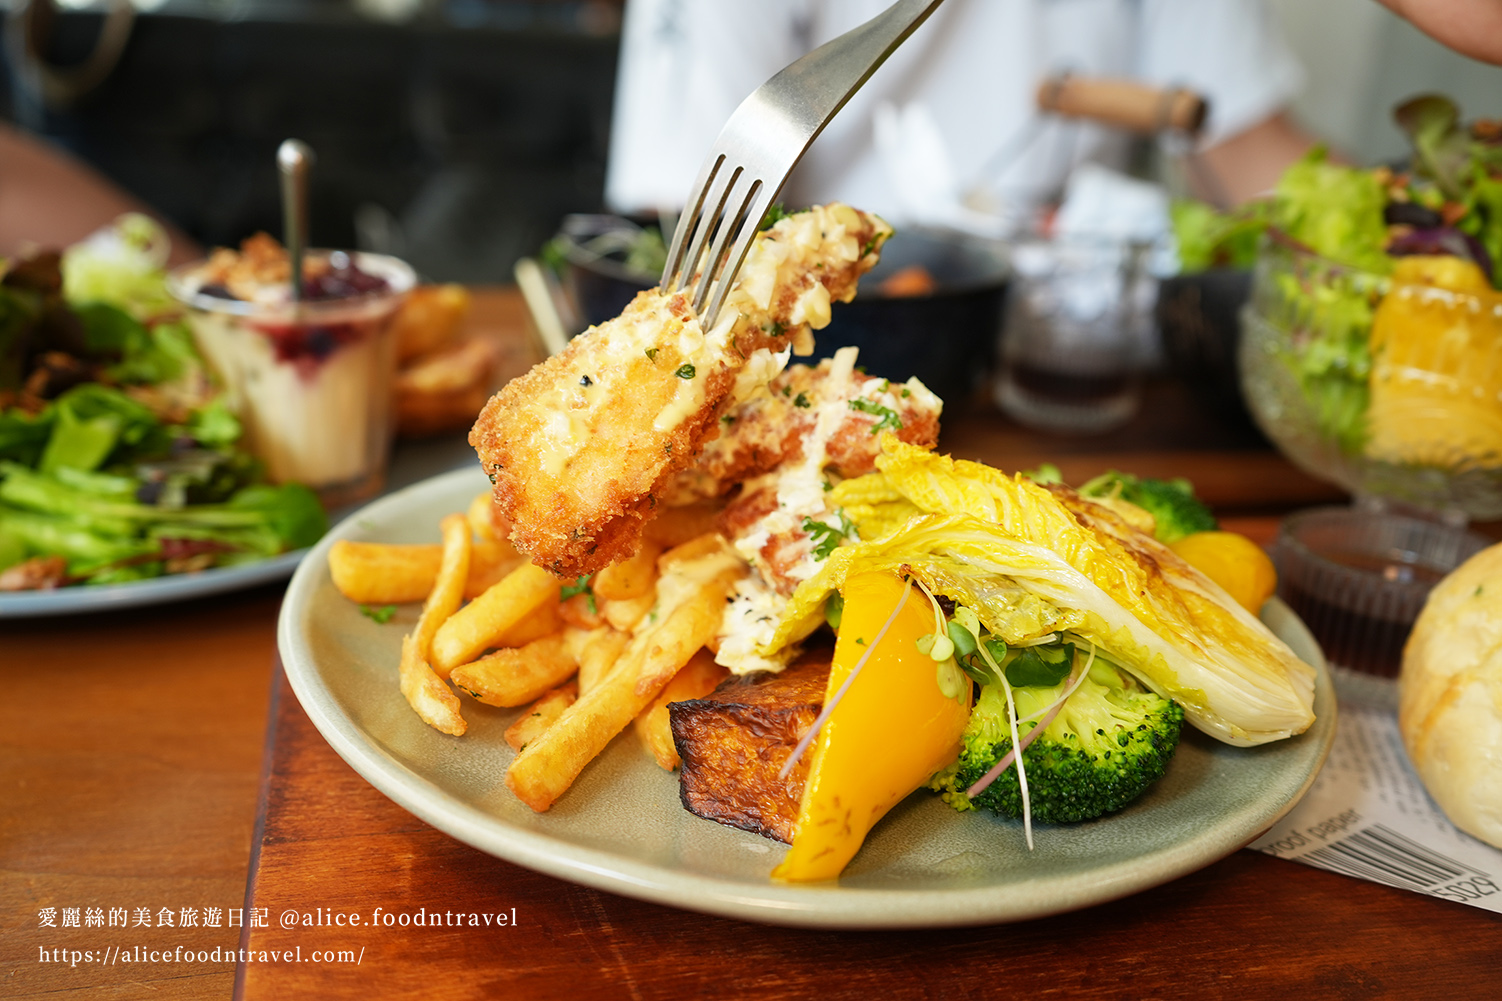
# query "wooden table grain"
(133, 746)
(1247, 927)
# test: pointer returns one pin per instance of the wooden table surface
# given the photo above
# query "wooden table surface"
(151, 760)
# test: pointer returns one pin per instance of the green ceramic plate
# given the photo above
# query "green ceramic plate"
(621, 828)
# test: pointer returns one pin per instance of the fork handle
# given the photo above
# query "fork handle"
(817, 85)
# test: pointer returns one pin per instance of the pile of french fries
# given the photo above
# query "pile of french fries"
(587, 658)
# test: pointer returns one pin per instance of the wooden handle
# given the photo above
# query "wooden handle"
(1124, 104)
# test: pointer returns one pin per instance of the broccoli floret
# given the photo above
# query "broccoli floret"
(1172, 503)
(1110, 741)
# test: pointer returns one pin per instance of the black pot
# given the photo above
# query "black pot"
(1200, 318)
(600, 286)
(947, 338)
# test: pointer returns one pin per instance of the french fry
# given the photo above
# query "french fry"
(598, 655)
(423, 689)
(516, 676)
(581, 611)
(372, 573)
(545, 621)
(546, 768)
(630, 578)
(695, 680)
(490, 561)
(483, 622)
(483, 516)
(543, 714)
(677, 525)
(626, 613)
(697, 548)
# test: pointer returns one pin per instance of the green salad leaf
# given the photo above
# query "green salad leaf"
(1334, 210)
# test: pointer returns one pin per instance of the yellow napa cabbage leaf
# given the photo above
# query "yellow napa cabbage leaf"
(1031, 560)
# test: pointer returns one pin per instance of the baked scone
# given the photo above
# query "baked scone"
(1450, 696)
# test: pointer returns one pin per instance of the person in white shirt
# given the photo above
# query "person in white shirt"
(950, 119)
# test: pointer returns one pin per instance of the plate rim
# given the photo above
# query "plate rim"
(162, 590)
(830, 906)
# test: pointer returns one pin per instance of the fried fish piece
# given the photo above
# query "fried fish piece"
(828, 416)
(734, 741)
(580, 448)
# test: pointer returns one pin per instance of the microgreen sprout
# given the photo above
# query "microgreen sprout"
(941, 647)
(1006, 688)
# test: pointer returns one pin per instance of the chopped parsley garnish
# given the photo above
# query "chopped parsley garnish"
(801, 400)
(580, 586)
(787, 390)
(774, 215)
(826, 538)
(889, 418)
(685, 371)
(906, 393)
(651, 354)
(381, 615)
(727, 419)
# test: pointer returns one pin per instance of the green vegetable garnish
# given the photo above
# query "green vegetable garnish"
(381, 615)
(1176, 511)
(580, 586)
(889, 418)
(827, 537)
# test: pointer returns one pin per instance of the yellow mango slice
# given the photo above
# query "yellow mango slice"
(891, 731)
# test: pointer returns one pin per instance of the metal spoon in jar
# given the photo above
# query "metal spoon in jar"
(294, 159)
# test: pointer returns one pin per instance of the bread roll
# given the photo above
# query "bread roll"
(1450, 695)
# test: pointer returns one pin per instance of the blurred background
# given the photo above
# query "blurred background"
(456, 133)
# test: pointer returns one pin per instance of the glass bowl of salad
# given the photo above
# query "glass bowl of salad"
(1388, 384)
(1371, 348)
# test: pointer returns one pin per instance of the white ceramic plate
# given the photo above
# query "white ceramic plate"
(621, 828)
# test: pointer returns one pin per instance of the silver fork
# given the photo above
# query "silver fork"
(762, 143)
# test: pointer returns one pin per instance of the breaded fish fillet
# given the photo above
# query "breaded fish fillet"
(580, 448)
(831, 409)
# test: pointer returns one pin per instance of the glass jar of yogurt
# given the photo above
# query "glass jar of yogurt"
(310, 380)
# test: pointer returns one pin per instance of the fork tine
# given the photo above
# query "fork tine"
(709, 224)
(732, 220)
(689, 220)
(765, 138)
(755, 209)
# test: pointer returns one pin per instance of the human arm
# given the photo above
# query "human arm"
(1470, 27)
(1250, 162)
